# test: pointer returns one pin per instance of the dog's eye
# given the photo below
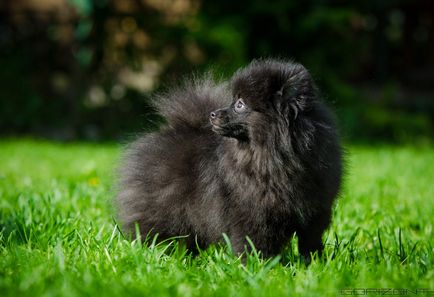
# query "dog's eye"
(239, 106)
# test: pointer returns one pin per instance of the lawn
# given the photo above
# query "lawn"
(58, 234)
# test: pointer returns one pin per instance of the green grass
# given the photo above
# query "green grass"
(58, 236)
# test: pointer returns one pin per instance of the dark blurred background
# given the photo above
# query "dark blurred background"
(86, 69)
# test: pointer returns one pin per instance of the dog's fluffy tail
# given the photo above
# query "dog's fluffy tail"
(191, 103)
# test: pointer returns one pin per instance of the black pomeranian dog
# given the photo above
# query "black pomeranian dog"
(261, 160)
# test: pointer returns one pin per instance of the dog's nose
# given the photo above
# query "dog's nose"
(218, 114)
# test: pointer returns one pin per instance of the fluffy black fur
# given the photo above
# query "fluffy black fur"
(262, 160)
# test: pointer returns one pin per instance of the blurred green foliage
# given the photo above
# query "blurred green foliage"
(88, 68)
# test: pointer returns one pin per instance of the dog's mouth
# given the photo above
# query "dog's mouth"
(218, 125)
(220, 129)
(234, 131)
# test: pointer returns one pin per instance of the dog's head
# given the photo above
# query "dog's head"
(264, 92)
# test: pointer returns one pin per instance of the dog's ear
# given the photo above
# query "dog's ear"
(297, 88)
